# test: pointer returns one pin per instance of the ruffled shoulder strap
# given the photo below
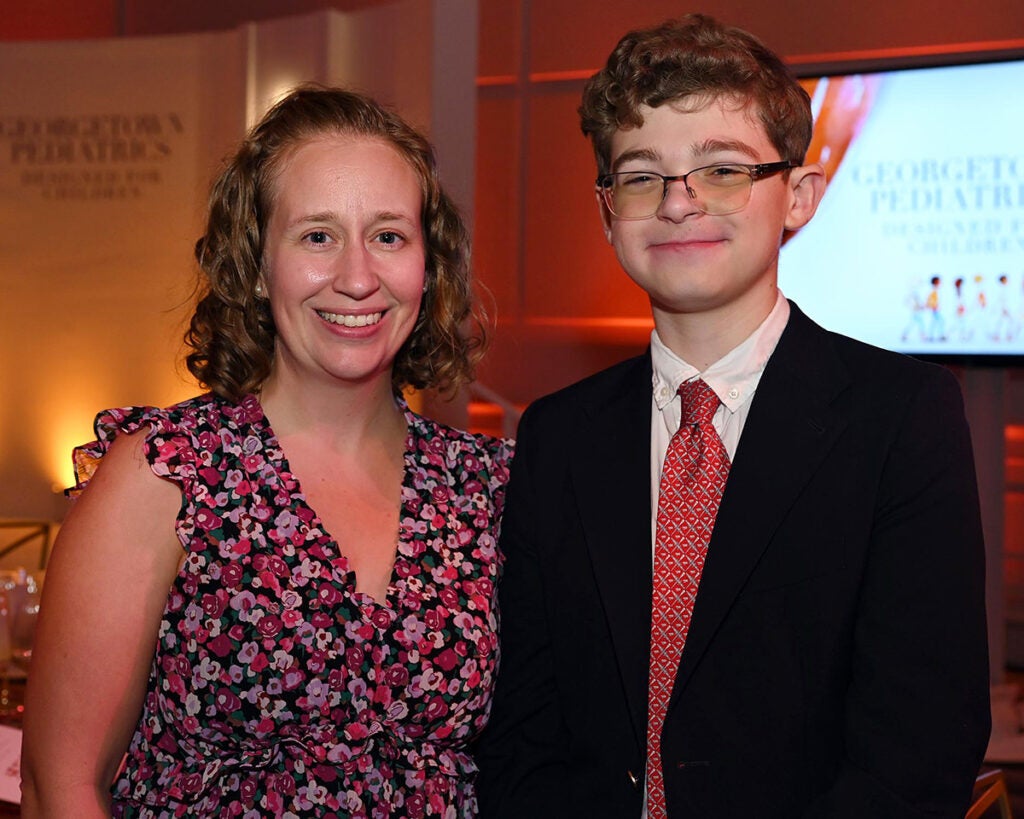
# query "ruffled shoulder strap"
(174, 437)
(486, 457)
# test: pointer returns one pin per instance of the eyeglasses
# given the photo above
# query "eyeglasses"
(716, 190)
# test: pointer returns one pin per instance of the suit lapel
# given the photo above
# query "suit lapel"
(792, 421)
(611, 475)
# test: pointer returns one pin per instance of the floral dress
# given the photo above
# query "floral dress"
(277, 689)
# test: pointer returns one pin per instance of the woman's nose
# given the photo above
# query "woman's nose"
(354, 273)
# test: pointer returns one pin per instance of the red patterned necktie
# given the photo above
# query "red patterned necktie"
(692, 480)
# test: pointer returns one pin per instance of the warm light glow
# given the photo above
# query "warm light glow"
(265, 95)
(70, 429)
(67, 422)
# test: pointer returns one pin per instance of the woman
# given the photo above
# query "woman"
(305, 663)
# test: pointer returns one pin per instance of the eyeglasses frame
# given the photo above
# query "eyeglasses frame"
(757, 171)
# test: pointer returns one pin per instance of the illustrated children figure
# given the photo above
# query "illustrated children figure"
(936, 325)
(1002, 327)
(915, 303)
(960, 330)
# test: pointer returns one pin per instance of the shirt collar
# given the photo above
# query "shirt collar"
(734, 376)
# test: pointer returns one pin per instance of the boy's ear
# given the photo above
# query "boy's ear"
(807, 184)
(606, 217)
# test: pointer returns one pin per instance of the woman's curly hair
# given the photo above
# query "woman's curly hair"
(232, 332)
(692, 61)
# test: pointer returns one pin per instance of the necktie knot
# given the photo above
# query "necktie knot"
(699, 402)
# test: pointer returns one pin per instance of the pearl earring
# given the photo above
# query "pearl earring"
(259, 290)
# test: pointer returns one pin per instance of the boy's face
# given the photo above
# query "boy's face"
(687, 261)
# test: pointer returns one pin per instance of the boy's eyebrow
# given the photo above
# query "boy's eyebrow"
(648, 154)
(711, 146)
(699, 149)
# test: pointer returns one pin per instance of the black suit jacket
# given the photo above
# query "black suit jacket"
(836, 664)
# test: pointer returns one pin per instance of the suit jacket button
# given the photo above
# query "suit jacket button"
(633, 780)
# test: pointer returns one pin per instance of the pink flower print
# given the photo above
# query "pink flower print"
(167, 449)
(316, 693)
(236, 548)
(357, 688)
(210, 475)
(292, 679)
(274, 801)
(206, 519)
(414, 627)
(220, 645)
(329, 595)
(286, 522)
(192, 783)
(466, 623)
(450, 598)
(355, 731)
(436, 708)
(248, 790)
(378, 617)
(248, 652)
(214, 604)
(434, 618)
(415, 805)
(268, 580)
(446, 660)
(396, 675)
(316, 662)
(231, 575)
(252, 463)
(191, 618)
(485, 586)
(262, 512)
(269, 625)
(264, 727)
(243, 601)
(227, 701)
(208, 441)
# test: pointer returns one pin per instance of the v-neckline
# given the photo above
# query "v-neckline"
(391, 596)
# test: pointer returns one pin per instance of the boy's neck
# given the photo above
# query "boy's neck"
(703, 337)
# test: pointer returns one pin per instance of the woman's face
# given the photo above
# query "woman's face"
(344, 258)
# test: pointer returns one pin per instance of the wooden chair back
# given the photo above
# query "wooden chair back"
(989, 790)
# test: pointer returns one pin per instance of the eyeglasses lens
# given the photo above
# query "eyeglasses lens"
(716, 190)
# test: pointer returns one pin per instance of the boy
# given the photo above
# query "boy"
(806, 638)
